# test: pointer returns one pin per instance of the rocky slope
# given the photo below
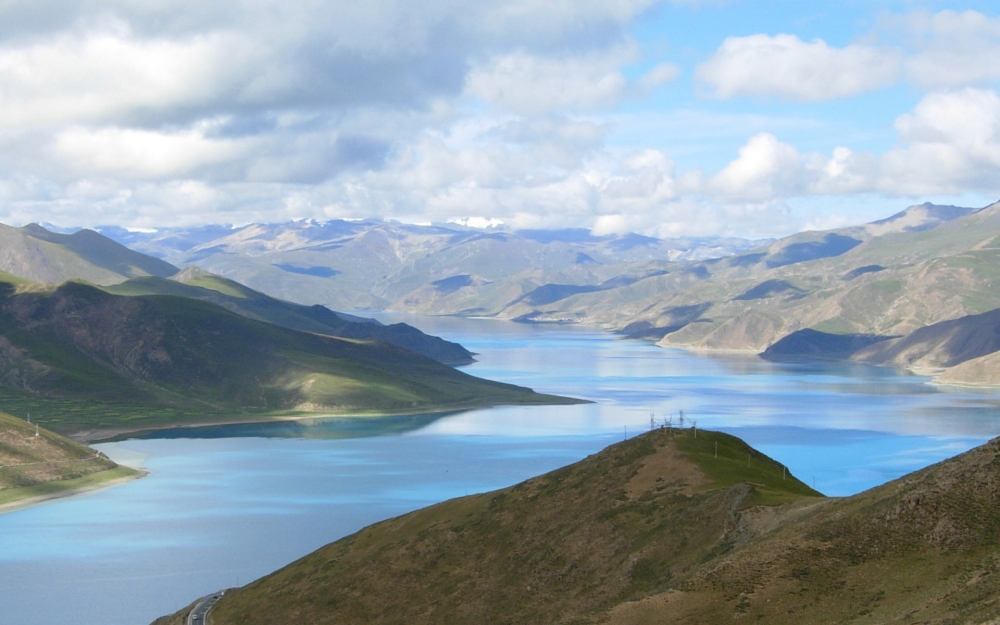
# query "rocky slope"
(887, 280)
(558, 548)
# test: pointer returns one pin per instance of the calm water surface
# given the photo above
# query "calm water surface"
(223, 506)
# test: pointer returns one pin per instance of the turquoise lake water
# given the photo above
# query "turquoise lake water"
(223, 506)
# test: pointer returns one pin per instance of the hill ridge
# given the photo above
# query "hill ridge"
(657, 529)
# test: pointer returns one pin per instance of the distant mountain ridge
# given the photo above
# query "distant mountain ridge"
(376, 264)
(36, 254)
(923, 266)
(914, 272)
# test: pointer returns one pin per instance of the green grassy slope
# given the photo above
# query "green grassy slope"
(658, 529)
(47, 464)
(921, 549)
(244, 301)
(92, 360)
(640, 516)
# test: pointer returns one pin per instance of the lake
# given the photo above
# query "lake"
(225, 505)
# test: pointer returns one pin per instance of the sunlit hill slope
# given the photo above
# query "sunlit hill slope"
(661, 529)
(97, 361)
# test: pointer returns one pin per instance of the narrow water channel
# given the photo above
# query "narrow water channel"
(223, 506)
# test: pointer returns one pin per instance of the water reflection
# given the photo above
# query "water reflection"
(322, 428)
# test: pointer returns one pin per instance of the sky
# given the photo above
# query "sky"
(669, 118)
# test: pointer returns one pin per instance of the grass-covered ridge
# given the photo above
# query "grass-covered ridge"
(660, 529)
(233, 296)
(641, 516)
(37, 463)
(90, 360)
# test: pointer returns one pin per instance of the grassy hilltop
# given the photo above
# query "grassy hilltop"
(234, 297)
(659, 529)
(47, 465)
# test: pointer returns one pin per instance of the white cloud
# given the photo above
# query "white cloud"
(789, 68)
(530, 84)
(661, 74)
(179, 60)
(141, 153)
(953, 49)
(103, 76)
(951, 143)
(764, 170)
(176, 111)
(277, 93)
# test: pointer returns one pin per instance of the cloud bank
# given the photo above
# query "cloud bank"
(178, 112)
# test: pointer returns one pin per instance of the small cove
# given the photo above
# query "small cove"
(225, 505)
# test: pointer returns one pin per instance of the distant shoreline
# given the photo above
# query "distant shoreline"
(933, 374)
(35, 495)
(106, 434)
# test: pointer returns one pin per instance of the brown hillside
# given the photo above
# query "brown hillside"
(658, 530)
(921, 549)
(636, 518)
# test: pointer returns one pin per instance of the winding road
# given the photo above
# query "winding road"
(200, 610)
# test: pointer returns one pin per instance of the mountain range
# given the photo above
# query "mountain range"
(34, 254)
(148, 345)
(847, 288)
(85, 360)
(668, 527)
(437, 269)
(922, 276)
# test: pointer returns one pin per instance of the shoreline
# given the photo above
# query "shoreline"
(67, 489)
(103, 435)
(933, 374)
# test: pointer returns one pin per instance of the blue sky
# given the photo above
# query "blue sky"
(667, 118)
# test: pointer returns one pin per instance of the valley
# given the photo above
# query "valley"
(148, 351)
(499, 312)
(194, 348)
(923, 266)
